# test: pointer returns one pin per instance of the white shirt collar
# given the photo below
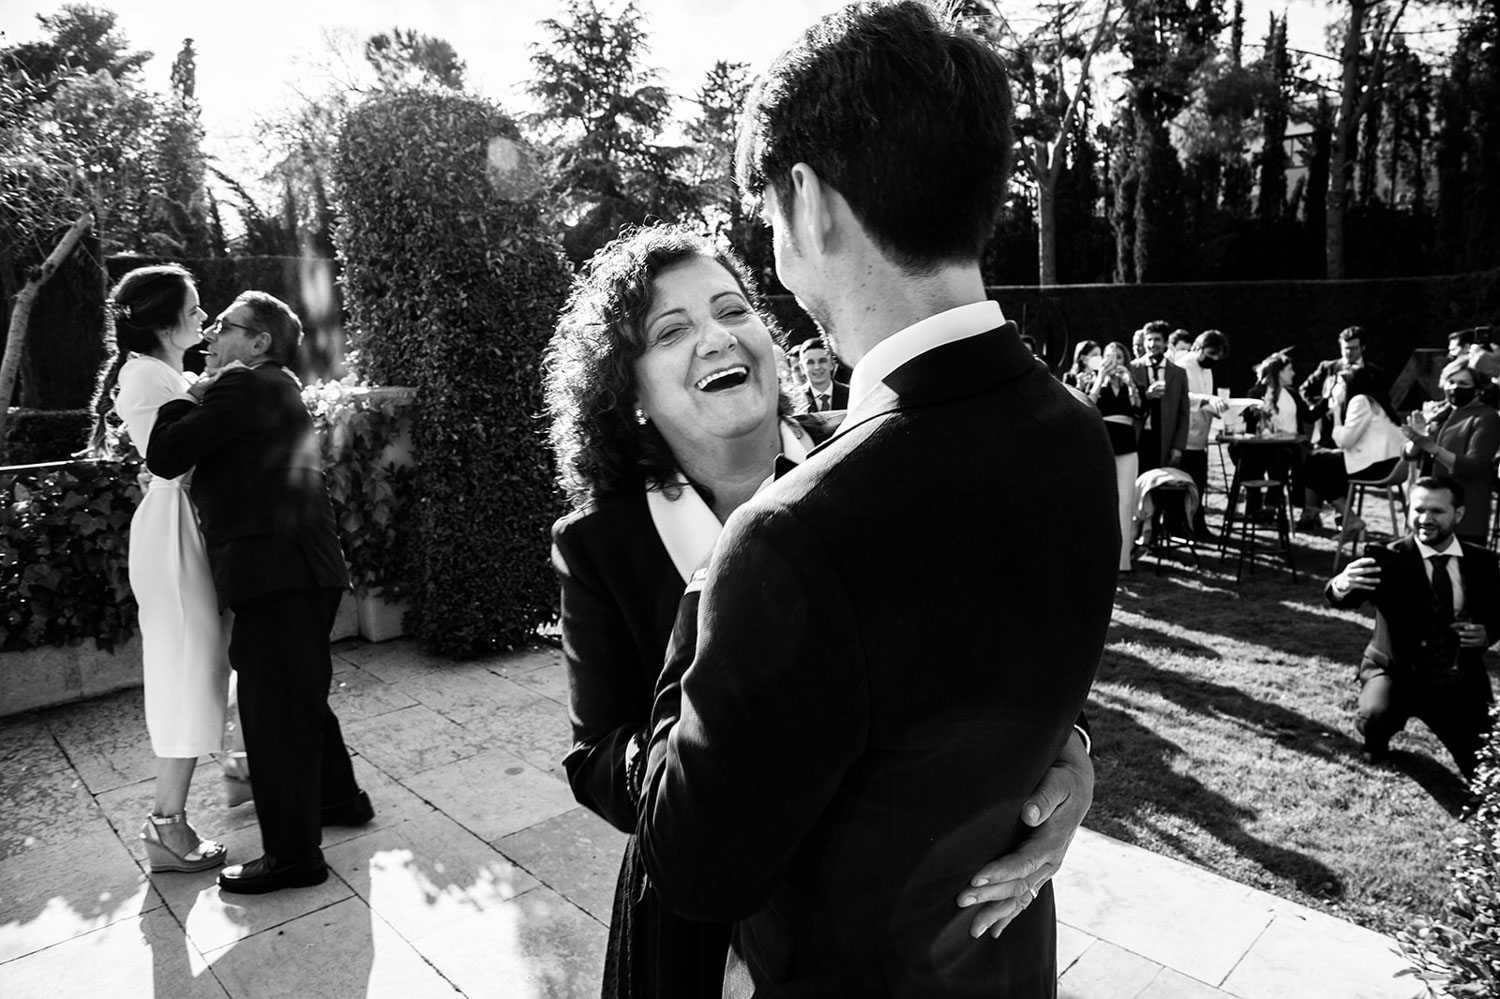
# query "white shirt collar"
(895, 350)
(1427, 551)
(687, 527)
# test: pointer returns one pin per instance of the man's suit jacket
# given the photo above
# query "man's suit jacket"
(1174, 405)
(895, 638)
(1408, 637)
(257, 483)
(840, 393)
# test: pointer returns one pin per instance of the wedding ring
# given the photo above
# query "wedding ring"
(1036, 889)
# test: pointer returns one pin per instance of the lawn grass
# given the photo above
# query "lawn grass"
(1224, 737)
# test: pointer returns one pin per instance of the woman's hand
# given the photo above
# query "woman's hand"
(205, 381)
(1003, 888)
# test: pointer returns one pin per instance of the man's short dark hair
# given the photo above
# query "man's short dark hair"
(1158, 326)
(812, 343)
(1212, 340)
(276, 318)
(1432, 482)
(904, 114)
(1355, 333)
(1180, 337)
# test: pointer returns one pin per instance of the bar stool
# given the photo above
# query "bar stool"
(1354, 503)
(1252, 549)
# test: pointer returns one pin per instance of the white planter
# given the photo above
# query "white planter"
(58, 674)
(380, 620)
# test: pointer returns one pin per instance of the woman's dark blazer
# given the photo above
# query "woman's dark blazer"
(619, 599)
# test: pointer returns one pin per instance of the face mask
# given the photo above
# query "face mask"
(1206, 362)
(1460, 396)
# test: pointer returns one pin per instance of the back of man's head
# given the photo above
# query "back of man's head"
(1211, 340)
(276, 318)
(1180, 340)
(905, 115)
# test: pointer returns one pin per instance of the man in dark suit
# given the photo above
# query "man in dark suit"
(263, 506)
(1437, 608)
(893, 642)
(1317, 388)
(1164, 387)
(822, 392)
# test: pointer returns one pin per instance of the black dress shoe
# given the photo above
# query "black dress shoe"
(267, 874)
(355, 811)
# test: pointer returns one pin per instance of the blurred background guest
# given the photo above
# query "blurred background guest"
(1461, 444)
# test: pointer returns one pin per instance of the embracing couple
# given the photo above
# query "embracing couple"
(250, 531)
(849, 749)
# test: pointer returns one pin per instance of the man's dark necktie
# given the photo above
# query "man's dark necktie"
(1442, 588)
(823, 398)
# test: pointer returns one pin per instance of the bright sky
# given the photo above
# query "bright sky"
(252, 56)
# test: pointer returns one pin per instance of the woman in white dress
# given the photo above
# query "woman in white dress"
(154, 316)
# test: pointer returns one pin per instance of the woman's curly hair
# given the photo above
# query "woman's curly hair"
(588, 375)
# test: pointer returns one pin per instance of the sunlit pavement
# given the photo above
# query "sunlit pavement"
(480, 875)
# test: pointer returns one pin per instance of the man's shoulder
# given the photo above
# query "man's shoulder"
(1479, 553)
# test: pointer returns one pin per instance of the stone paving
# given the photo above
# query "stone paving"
(481, 877)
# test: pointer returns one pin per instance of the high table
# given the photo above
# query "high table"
(1280, 442)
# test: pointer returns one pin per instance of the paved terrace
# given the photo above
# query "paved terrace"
(481, 877)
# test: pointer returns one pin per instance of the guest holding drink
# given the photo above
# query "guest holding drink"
(1114, 392)
(1087, 360)
(1462, 446)
(153, 317)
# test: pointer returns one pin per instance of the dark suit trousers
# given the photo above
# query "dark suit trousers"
(1195, 463)
(1457, 709)
(298, 762)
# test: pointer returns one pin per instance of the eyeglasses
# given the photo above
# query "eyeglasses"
(214, 331)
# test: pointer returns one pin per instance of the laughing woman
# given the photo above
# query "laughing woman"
(666, 415)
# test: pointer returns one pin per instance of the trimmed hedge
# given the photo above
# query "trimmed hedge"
(64, 563)
(38, 435)
(455, 290)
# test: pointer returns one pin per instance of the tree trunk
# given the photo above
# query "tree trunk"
(1341, 155)
(1046, 224)
(20, 313)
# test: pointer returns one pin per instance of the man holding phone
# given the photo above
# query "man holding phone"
(1437, 608)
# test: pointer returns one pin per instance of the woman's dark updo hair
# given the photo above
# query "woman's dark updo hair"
(143, 302)
(588, 376)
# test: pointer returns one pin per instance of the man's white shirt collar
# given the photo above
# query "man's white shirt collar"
(895, 350)
(1427, 551)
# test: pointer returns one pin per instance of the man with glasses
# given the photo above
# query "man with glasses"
(264, 510)
(1203, 405)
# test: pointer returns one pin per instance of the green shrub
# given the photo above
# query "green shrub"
(64, 569)
(37, 435)
(455, 290)
(1461, 952)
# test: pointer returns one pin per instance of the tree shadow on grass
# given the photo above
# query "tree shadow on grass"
(1124, 745)
(1286, 727)
(1158, 639)
(1268, 613)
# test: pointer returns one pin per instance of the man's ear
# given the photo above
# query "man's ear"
(810, 210)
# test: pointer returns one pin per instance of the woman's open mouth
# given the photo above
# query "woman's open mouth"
(723, 380)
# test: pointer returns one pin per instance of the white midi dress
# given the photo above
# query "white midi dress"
(184, 638)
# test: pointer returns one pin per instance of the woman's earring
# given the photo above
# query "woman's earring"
(640, 416)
